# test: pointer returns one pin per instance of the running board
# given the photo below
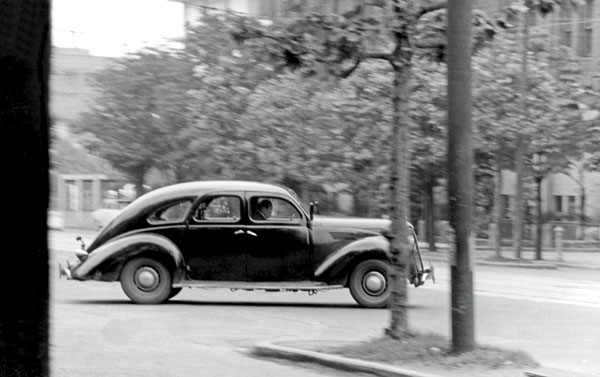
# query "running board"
(255, 286)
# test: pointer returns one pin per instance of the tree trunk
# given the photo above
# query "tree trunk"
(582, 207)
(139, 182)
(429, 214)
(540, 223)
(518, 222)
(399, 187)
(498, 209)
(460, 171)
(520, 152)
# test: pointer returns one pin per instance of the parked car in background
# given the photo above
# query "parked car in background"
(241, 236)
(109, 209)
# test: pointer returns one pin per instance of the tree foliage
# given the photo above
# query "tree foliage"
(140, 117)
(247, 100)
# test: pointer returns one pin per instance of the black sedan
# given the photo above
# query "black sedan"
(239, 235)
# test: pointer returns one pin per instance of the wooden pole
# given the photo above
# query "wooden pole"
(460, 178)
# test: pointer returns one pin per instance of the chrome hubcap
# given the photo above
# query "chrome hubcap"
(146, 278)
(374, 283)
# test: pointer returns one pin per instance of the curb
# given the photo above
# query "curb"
(270, 349)
(334, 361)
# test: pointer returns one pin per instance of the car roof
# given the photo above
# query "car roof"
(198, 188)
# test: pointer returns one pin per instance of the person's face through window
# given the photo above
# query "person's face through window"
(265, 208)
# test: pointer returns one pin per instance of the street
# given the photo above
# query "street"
(96, 331)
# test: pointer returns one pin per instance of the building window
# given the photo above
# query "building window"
(571, 208)
(584, 44)
(72, 199)
(88, 195)
(558, 207)
(565, 24)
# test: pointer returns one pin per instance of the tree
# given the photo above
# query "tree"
(520, 10)
(141, 119)
(428, 147)
(554, 91)
(338, 45)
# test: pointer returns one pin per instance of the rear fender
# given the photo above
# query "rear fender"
(113, 254)
(338, 264)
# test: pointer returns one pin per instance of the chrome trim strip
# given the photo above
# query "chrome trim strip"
(284, 286)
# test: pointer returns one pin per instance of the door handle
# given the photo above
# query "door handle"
(238, 232)
(251, 233)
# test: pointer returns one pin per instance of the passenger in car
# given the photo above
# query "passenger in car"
(264, 209)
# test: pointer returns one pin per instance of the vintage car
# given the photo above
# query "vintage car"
(242, 236)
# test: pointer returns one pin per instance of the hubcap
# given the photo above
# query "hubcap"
(374, 283)
(146, 278)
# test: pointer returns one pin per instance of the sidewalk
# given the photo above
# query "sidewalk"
(550, 258)
(313, 352)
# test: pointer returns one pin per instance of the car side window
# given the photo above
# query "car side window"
(273, 209)
(173, 213)
(219, 208)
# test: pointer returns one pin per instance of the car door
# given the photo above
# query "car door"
(215, 238)
(279, 244)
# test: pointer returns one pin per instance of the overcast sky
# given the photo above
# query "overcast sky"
(111, 27)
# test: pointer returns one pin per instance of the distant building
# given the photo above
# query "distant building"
(579, 29)
(78, 180)
(268, 9)
(71, 92)
(561, 195)
(574, 27)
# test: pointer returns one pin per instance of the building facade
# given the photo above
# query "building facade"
(576, 27)
(77, 179)
(71, 92)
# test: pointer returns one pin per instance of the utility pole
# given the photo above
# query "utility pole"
(460, 178)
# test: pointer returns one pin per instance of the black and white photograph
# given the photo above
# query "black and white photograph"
(300, 188)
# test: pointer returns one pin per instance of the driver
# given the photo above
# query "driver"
(264, 209)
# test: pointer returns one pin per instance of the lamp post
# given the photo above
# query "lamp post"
(540, 169)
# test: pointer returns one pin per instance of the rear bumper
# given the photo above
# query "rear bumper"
(68, 271)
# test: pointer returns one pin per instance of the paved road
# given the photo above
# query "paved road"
(552, 314)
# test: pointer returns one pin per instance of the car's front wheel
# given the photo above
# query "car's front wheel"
(370, 283)
(146, 281)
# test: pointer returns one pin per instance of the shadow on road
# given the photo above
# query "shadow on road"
(229, 303)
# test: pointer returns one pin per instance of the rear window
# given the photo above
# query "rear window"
(171, 213)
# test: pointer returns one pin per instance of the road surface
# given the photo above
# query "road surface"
(554, 315)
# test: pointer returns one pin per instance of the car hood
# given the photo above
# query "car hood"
(376, 225)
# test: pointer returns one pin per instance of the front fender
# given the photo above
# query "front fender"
(336, 265)
(122, 248)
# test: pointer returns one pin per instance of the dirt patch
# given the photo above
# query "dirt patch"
(433, 354)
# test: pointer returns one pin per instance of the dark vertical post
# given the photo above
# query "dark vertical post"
(521, 145)
(538, 238)
(24, 62)
(460, 179)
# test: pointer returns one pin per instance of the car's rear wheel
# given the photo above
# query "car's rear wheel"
(370, 283)
(146, 281)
